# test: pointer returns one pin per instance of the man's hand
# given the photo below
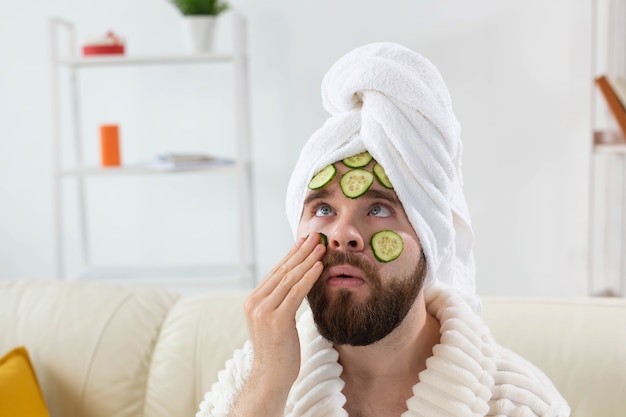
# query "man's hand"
(271, 314)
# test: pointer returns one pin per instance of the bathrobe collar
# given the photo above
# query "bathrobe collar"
(457, 381)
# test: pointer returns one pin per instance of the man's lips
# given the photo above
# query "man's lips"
(344, 276)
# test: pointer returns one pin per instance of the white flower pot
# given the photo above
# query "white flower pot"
(198, 33)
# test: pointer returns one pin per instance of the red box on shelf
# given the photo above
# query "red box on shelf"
(110, 44)
(103, 50)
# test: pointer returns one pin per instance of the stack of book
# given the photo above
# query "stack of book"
(182, 161)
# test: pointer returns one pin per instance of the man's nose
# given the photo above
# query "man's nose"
(345, 236)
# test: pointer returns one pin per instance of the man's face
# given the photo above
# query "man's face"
(358, 299)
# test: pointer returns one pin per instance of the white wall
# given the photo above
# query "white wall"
(519, 74)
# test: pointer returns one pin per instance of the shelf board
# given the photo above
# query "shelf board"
(616, 148)
(129, 60)
(143, 170)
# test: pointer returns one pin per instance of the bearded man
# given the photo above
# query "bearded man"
(384, 257)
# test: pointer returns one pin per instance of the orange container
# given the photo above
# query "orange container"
(110, 145)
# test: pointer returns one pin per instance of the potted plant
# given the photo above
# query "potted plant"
(199, 21)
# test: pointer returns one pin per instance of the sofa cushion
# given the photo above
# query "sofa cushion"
(579, 343)
(199, 335)
(20, 394)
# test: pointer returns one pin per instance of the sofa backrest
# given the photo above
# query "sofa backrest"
(90, 343)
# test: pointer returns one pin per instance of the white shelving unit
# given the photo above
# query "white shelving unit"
(607, 231)
(241, 273)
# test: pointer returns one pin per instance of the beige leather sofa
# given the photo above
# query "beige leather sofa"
(109, 350)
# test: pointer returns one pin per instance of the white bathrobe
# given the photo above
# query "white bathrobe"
(467, 375)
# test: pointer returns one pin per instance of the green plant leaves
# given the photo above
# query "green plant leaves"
(201, 7)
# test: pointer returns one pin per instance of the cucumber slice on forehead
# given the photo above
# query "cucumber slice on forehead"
(386, 245)
(323, 177)
(381, 176)
(356, 182)
(359, 160)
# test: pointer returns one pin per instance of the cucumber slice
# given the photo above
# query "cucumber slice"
(359, 160)
(323, 238)
(381, 176)
(356, 182)
(323, 177)
(387, 245)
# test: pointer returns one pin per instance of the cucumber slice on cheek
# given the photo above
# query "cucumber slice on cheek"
(323, 238)
(356, 182)
(387, 245)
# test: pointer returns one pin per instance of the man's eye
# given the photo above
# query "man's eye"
(380, 211)
(324, 211)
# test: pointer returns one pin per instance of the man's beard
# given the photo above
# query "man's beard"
(345, 321)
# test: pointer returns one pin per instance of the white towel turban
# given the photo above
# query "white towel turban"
(392, 102)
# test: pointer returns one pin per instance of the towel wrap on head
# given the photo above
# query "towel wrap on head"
(393, 102)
